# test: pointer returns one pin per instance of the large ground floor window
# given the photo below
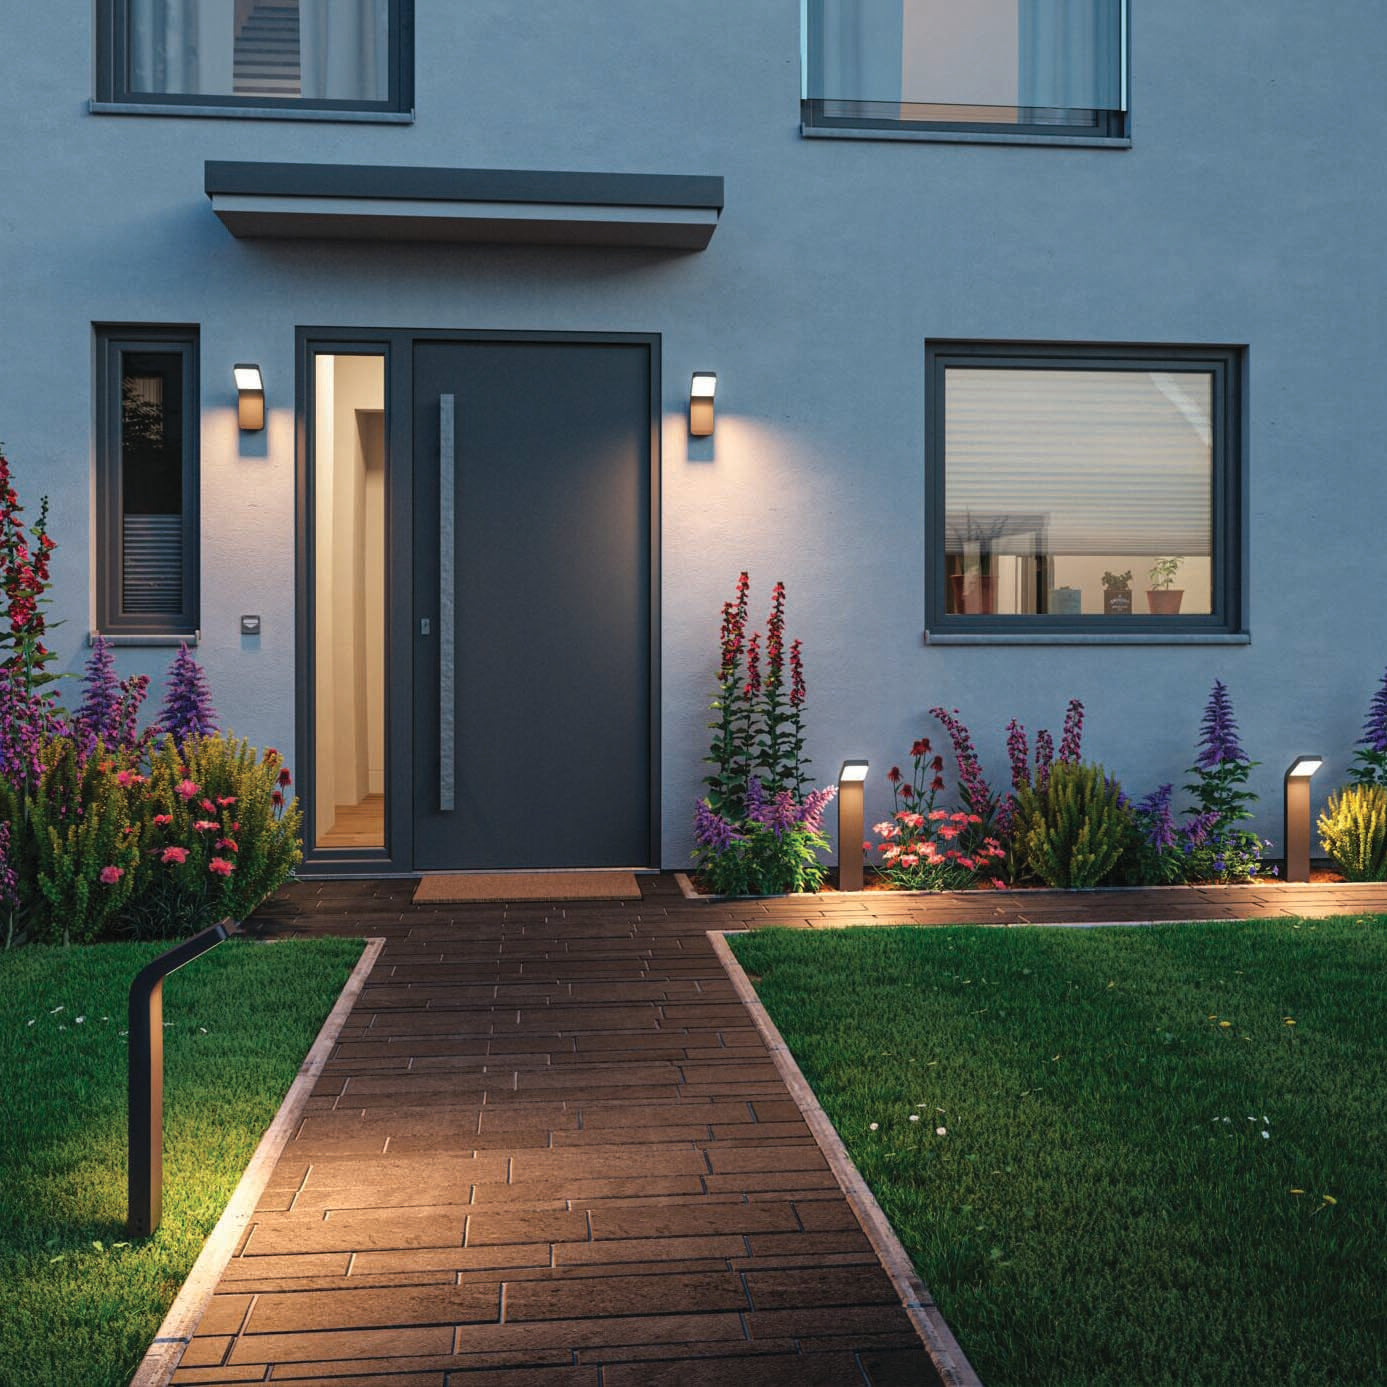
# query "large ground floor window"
(1083, 488)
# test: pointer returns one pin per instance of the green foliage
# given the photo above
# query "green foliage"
(1353, 831)
(762, 862)
(1162, 572)
(203, 835)
(1072, 831)
(1087, 1206)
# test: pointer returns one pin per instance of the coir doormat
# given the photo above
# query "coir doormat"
(445, 887)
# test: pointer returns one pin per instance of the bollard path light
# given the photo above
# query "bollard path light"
(850, 782)
(146, 1130)
(1298, 816)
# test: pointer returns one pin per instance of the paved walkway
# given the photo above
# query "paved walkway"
(551, 1150)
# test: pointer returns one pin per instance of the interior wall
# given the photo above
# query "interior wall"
(350, 582)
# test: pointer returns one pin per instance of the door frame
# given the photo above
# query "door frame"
(396, 345)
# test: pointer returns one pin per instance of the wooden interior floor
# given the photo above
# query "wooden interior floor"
(357, 825)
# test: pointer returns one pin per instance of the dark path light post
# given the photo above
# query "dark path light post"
(1298, 816)
(147, 1079)
(850, 781)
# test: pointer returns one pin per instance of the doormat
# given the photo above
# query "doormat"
(527, 886)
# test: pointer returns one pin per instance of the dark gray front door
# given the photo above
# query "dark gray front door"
(532, 597)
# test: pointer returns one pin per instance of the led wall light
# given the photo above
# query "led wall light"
(701, 392)
(250, 396)
(1298, 816)
(850, 781)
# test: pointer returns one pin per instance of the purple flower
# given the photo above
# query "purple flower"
(1375, 728)
(712, 830)
(1019, 754)
(1154, 811)
(1219, 731)
(9, 882)
(1073, 733)
(1044, 758)
(187, 711)
(1195, 830)
(972, 787)
(811, 812)
(99, 715)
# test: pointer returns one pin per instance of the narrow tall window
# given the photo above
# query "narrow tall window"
(146, 481)
(1083, 488)
(282, 54)
(990, 66)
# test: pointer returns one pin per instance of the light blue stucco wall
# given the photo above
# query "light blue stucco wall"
(1250, 209)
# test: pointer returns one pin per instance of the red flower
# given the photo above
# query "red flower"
(228, 843)
(284, 777)
(894, 775)
(163, 820)
(208, 807)
(921, 748)
(111, 875)
(178, 855)
(226, 801)
(187, 789)
(207, 826)
(277, 799)
(908, 791)
(221, 867)
(236, 827)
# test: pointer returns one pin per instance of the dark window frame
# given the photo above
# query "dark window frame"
(845, 115)
(1228, 365)
(112, 342)
(112, 67)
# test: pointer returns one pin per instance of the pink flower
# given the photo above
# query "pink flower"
(208, 807)
(226, 801)
(229, 844)
(207, 826)
(111, 875)
(187, 789)
(284, 777)
(967, 862)
(179, 855)
(277, 799)
(122, 777)
(948, 831)
(909, 859)
(937, 814)
(220, 866)
(163, 820)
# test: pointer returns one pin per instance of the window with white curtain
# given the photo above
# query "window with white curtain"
(287, 54)
(992, 66)
(1076, 488)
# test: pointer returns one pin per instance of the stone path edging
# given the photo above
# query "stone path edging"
(944, 1351)
(166, 1351)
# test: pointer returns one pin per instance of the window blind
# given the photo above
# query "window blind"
(1078, 462)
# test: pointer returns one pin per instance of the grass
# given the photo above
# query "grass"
(1146, 1174)
(80, 1304)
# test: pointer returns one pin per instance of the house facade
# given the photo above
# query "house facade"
(355, 341)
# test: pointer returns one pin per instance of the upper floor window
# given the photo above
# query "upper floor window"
(1028, 67)
(1084, 489)
(289, 55)
(147, 481)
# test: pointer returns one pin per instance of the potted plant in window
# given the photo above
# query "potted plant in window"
(1161, 597)
(973, 584)
(1117, 594)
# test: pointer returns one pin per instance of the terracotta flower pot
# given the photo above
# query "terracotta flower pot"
(1164, 601)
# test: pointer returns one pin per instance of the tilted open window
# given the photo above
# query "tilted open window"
(992, 67)
(146, 481)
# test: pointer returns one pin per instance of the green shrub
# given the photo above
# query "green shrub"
(1072, 828)
(1353, 831)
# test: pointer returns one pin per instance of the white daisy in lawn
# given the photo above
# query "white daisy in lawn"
(941, 1131)
(79, 1019)
(914, 1117)
(872, 1126)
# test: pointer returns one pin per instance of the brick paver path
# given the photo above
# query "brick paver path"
(551, 1150)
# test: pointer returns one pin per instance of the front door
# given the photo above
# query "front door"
(532, 634)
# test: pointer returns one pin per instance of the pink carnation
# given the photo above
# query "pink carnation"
(188, 789)
(111, 875)
(220, 866)
(207, 826)
(179, 855)
(163, 820)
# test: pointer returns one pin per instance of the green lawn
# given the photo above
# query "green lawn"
(79, 1305)
(1146, 1173)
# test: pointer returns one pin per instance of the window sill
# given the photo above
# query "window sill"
(152, 638)
(847, 132)
(155, 108)
(1088, 638)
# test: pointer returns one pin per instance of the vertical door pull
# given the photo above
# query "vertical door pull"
(447, 619)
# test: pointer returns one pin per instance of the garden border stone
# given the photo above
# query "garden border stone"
(166, 1351)
(948, 1358)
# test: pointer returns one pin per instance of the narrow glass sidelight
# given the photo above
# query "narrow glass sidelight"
(447, 615)
(349, 552)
